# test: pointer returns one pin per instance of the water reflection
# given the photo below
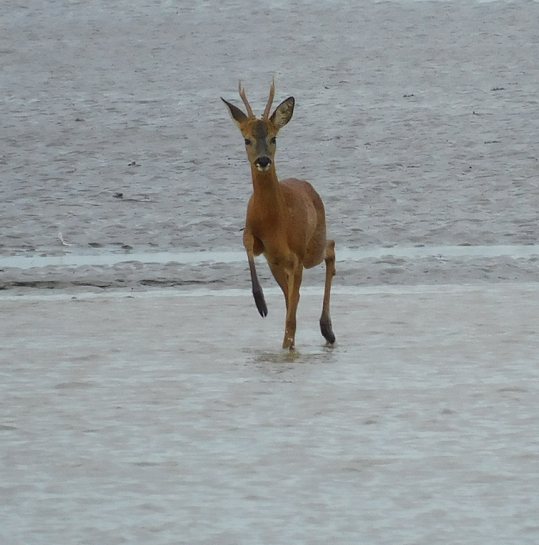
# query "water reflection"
(280, 361)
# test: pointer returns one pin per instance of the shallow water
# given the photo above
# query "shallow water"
(412, 122)
(151, 419)
(72, 259)
(164, 417)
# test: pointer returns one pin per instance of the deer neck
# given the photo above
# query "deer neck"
(267, 190)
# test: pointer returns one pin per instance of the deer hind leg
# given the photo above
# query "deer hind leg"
(286, 279)
(325, 320)
(258, 294)
(280, 275)
(292, 300)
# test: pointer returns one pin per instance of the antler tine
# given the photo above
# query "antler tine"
(245, 101)
(270, 100)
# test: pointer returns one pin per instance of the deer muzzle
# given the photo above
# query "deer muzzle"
(263, 163)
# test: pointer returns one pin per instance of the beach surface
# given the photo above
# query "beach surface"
(143, 399)
(164, 419)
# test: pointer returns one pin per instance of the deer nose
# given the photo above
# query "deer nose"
(263, 162)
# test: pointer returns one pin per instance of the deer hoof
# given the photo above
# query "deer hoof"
(327, 329)
(288, 343)
(260, 303)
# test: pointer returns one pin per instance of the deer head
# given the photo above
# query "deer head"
(261, 134)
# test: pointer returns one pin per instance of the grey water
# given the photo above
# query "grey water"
(78, 259)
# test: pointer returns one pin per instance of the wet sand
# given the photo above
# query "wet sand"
(415, 121)
(131, 413)
(177, 419)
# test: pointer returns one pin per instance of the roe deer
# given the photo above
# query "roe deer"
(285, 220)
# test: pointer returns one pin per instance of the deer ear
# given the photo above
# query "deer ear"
(235, 113)
(283, 113)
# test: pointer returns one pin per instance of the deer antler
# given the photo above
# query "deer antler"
(270, 100)
(245, 101)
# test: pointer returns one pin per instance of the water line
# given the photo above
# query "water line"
(73, 259)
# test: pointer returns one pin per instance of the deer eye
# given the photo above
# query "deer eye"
(273, 140)
(247, 142)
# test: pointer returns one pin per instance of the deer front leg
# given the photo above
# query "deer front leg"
(292, 299)
(258, 294)
(325, 320)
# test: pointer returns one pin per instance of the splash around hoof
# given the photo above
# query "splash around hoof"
(289, 343)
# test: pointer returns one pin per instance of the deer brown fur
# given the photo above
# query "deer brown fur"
(285, 220)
